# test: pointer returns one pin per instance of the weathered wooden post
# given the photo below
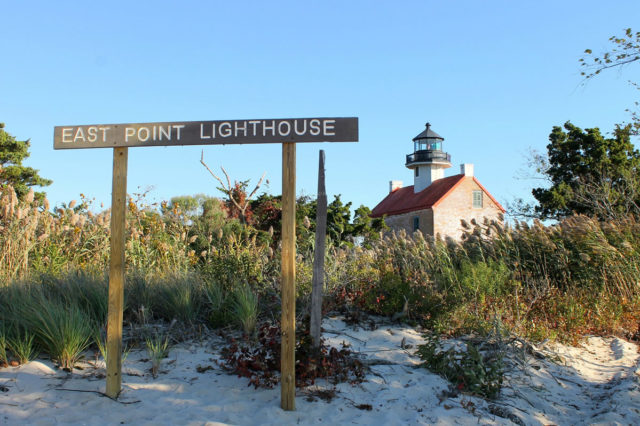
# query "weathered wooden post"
(317, 286)
(116, 272)
(120, 137)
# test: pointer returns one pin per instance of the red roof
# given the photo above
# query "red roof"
(404, 200)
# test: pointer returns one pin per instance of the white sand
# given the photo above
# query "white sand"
(596, 383)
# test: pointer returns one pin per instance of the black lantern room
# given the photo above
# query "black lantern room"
(427, 149)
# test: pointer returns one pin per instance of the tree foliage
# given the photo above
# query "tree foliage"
(339, 225)
(625, 50)
(589, 174)
(12, 172)
(341, 229)
(267, 212)
(367, 227)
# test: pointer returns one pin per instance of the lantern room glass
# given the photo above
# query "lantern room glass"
(426, 145)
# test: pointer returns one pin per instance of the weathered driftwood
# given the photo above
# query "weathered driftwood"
(318, 260)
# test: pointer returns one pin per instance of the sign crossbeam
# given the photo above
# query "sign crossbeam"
(286, 131)
(221, 132)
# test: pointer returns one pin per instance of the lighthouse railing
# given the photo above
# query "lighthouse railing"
(428, 156)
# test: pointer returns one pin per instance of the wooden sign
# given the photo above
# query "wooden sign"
(282, 130)
(120, 137)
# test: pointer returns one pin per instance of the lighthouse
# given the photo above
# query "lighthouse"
(428, 160)
(434, 204)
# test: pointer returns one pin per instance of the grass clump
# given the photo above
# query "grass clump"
(158, 349)
(101, 343)
(81, 288)
(64, 331)
(217, 312)
(244, 309)
(178, 297)
(3, 348)
(23, 346)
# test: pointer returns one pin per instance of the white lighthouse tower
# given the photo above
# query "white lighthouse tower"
(428, 161)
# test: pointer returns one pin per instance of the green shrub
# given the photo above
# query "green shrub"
(479, 280)
(387, 296)
(468, 370)
(239, 257)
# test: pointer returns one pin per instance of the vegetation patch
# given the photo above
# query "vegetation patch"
(63, 331)
(259, 360)
(158, 349)
(477, 370)
(23, 347)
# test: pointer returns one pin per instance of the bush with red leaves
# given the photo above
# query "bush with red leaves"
(261, 363)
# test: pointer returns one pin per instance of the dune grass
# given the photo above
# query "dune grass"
(22, 345)
(3, 347)
(158, 349)
(244, 309)
(576, 277)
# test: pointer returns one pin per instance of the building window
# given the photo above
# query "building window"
(477, 199)
(416, 223)
(417, 172)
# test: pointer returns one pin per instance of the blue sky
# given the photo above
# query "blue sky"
(492, 77)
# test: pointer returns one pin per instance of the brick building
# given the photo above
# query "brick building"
(435, 204)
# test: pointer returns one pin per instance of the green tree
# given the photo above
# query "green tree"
(12, 172)
(367, 227)
(189, 206)
(589, 174)
(339, 226)
(267, 214)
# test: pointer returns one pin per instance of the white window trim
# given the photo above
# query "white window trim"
(473, 199)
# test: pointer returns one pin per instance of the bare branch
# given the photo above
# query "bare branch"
(228, 180)
(235, 203)
(610, 199)
(601, 67)
(257, 186)
(212, 174)
(228, 189)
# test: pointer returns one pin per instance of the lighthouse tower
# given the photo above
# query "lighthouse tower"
(428, 161)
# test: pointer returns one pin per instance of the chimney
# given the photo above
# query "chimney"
(466, 169)
(394, 185)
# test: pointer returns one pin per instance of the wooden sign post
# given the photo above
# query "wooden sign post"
(120, 137)
(116, 272)
(288, 286)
